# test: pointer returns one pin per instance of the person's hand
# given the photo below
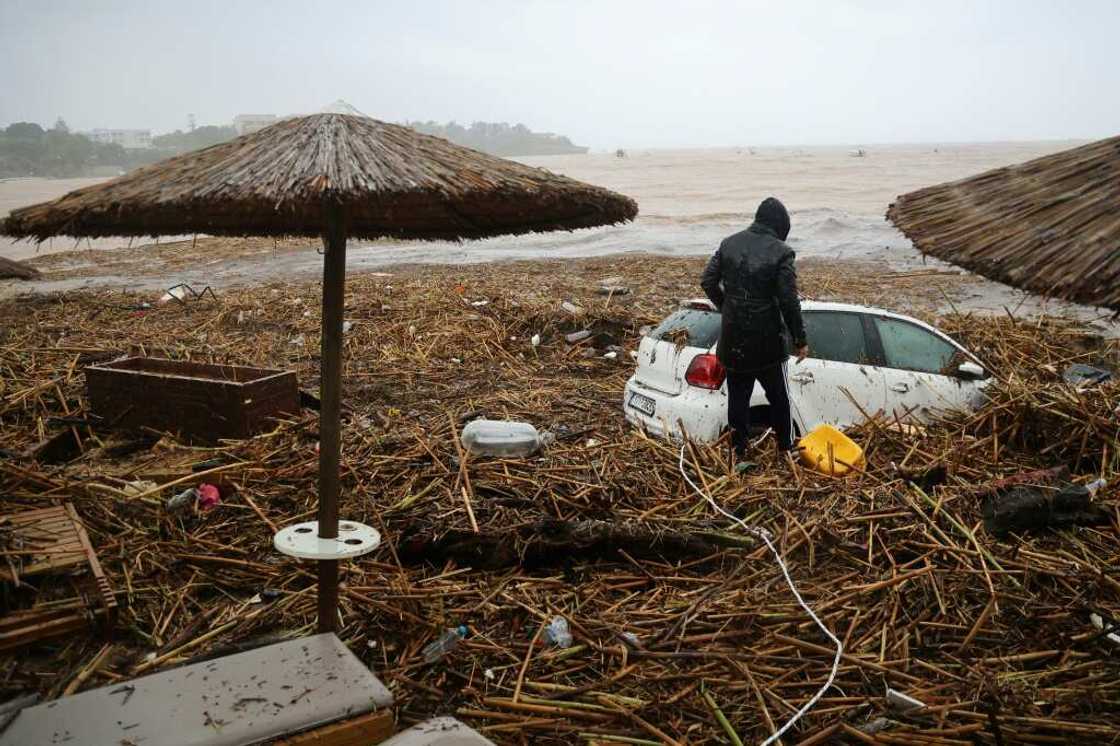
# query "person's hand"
(802, 353)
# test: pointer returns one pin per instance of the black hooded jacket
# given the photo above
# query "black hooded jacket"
(758, 293)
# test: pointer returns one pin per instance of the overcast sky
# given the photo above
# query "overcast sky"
(632, 74)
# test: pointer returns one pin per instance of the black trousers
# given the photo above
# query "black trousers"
(739, 387)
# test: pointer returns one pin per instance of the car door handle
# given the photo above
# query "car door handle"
(802, 378)
(901, 388)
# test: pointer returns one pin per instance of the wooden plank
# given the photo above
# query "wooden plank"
(59, 448)
(366, 730)
(29, 516)
(50, 538)
(46, 565)
(35, 630)
(49, 525)
(108, 600)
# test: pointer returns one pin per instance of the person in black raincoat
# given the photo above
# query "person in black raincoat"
(752, 280)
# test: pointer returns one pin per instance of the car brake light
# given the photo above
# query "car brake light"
(706, 372)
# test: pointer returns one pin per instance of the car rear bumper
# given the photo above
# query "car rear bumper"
(702, 413)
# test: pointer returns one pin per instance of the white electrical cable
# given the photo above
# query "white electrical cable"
(765, 536)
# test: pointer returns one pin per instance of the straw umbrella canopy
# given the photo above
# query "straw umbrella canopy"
(1050, 226)
(334, 176)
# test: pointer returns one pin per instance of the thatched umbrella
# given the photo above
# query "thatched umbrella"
(334, 176)
(1051, 225)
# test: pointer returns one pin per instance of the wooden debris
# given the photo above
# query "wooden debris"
(552, 542)
(201, 400)
(9, 268)
(1027, 508)
(909, 584)
(52, 540)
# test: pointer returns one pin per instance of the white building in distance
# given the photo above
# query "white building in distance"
(246, 123)
(130, 139)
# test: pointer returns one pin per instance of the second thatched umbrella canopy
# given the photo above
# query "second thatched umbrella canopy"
(334, 176)
(1051, 225)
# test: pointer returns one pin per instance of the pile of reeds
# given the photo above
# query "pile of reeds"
(684, 628)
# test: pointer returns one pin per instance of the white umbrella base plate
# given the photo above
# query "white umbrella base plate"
(302, 540)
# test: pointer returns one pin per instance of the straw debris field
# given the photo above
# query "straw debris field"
(685, 631)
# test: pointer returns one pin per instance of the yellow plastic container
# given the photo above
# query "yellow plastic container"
(830, 451)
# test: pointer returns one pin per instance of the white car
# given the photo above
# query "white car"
(862, 361)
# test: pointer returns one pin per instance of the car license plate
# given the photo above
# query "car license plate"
(643, 404)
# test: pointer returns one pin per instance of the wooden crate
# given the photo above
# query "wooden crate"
(199, 400)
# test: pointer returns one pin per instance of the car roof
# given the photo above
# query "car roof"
(816, 305)
(819, 305)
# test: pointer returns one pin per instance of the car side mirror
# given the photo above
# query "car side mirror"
(970, 371)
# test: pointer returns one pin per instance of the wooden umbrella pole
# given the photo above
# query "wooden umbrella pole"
(330, 394)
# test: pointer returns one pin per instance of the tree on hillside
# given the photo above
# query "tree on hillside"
(24, 131)
(499, 138)
(199, 137)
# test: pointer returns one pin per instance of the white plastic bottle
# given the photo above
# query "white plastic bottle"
(444, 644)
(502, 439)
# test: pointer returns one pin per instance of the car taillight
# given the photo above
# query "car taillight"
(706, 372)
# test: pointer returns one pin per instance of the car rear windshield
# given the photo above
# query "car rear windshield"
(700, 328)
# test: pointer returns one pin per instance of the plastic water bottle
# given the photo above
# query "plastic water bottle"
(502, 439)
(444, 644)
(557, 633)
(183, 500)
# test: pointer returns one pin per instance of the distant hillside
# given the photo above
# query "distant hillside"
(496, 138)
(200, 137)
(27, 149)
(500, 138)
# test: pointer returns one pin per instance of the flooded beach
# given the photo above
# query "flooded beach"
(516, 373)
(689, 200)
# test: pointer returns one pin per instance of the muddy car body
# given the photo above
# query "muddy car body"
(863, 361)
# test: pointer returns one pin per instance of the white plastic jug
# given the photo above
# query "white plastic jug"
(502, 438)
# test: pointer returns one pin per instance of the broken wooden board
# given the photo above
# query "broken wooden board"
(26, 626)
(51, 540)
(60, 448)
(43, 540)
(292, 687)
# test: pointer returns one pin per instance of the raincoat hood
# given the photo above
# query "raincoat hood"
(772, 213)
